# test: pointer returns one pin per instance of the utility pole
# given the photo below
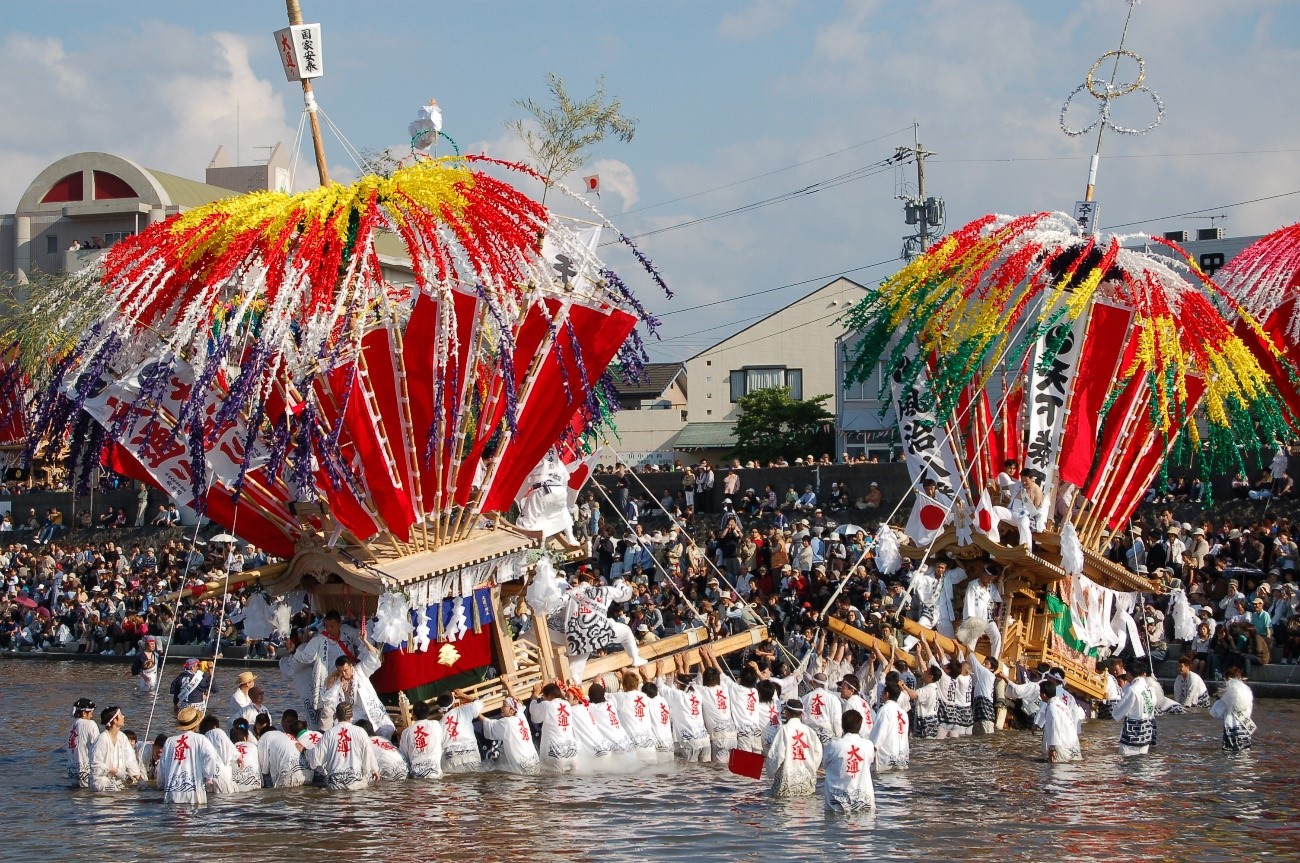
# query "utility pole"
(925, 213)
(309, 99)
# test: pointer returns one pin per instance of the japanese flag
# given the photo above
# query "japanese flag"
(928, 517)
(988, 517)
(592, 183)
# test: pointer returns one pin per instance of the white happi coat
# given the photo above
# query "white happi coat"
(858, 703)
(422, 746)
(81, 737)
(1235, 707)
(593, 747)
(246, 771)
(459, 746)
(622, 752)
(661, 716)
(1060, 730)
(687, 710)
(242, 707)
(1137, 705)
(112, 762)
(559, 749)
(391, 763)
(517, 754)
(889, 736)
(365, 701)
(822, 710)
(1190, 691)
(226, 751)
(848, 773)
(188, 765)
(746, 715)
(311, 664)
(925, 592)
(544, 499)
(634, 714)
(953, 577)
(282, 761)
(346, 756)
(792, 760)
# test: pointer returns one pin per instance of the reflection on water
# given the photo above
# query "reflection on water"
(970, 799)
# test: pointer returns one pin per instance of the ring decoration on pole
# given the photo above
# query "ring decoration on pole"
(262, 351)
(1106, 93)
(1026, 338)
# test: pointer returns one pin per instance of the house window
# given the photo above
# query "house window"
(745, 381)
(867, 390)
(51, 244)
(114, 237)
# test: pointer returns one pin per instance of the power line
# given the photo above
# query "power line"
(822, 185)
(778, 288)
(1127, 156)
(1205, 210)
(767, 173)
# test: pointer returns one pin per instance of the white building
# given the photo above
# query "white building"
(793, 347)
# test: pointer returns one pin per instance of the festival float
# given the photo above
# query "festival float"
(1090, 364)
(363, 380)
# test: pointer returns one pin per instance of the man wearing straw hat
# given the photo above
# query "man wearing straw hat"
(241, 704)
(189, 763)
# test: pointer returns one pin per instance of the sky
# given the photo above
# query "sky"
(738, 102)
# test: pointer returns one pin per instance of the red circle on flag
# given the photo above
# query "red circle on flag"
(985, 519)
(932, 516)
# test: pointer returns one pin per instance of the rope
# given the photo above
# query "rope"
(363, 164)
(189, 559)
(297, 149)
(754, 619)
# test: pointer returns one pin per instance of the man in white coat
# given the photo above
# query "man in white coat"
(350, 683)
(345, 754)
(822, 709)
(81, 737)
(282, 761)
(459, 745)
(848, 761)
(189, 763)
(309, 666)
(114, 764)
(948, 577)
(794, 756)
(889, 733)
(517, 753)
(422, 743)
(559, 744)
(1136, 710)
(1058, 721)
(981, 598)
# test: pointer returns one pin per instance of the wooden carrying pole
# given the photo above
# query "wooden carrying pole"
(309, 100)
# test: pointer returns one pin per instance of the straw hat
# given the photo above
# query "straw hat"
(189, 718)
(246, 677)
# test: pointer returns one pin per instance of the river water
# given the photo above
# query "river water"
(968, 800)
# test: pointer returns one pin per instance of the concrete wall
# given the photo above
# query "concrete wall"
(800, 336)
(892, 478)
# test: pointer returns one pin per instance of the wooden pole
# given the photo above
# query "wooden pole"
(309, 100)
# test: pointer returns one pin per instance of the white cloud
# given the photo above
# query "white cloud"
(162, 96)
(760, 18)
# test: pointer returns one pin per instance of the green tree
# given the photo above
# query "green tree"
(773, 424)
(566, 129)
